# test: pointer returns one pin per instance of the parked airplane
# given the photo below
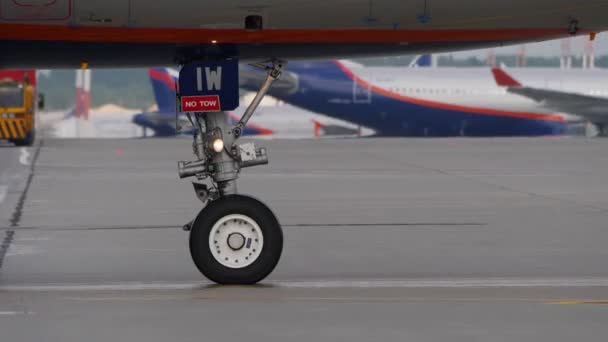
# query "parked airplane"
(397, 101)
(580, 92)
(236, 238)
(283, 121)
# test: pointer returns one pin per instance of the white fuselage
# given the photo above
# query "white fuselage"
(476, 86)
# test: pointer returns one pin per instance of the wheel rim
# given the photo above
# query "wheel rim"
(236, 241)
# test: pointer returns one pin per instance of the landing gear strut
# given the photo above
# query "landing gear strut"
(235, 239)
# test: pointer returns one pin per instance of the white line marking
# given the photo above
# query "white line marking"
(103, 287)
(374, 283)
(3, 190)
(452, 283)
(10, 313)
(27, 239)
(17, 249)
(24, 159)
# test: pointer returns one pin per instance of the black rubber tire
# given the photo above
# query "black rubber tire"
(28, 141)
(254, 209)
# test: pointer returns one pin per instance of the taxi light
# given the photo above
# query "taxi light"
(218, 145)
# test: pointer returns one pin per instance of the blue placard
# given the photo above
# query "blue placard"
(212, 78)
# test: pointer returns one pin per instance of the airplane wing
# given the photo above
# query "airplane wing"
(592, 108)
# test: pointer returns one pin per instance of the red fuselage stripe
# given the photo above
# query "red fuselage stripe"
(30, 32)
(428, 103)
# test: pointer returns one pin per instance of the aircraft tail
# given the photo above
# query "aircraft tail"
(164, 83)
(503, 79)
(317, 127)
(422, 61)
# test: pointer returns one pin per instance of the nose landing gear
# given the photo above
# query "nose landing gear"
(235, 239)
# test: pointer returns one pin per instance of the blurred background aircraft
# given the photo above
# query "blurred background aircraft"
(572, 91)
(438, 95)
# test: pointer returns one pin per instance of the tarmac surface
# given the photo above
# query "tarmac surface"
(385, 240)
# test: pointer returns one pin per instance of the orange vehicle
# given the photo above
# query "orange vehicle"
(18, 106)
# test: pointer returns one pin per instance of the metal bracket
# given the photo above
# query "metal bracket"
(274, 72)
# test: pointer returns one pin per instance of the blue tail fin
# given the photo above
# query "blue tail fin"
(163, 84)
(422, 61)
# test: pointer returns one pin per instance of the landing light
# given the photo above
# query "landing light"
(218, 145)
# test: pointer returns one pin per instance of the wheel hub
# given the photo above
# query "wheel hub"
(236, 241)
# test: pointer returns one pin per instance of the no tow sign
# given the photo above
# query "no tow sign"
(209, 86)
(201, 103)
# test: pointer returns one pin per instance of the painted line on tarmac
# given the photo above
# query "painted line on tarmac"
(9, 235)
(452, 283)
(24, 158)
(18, 212)
(401, 224)
(14, 313)
(375, 283)
(580, 302)
(128, 286)
(297, 225)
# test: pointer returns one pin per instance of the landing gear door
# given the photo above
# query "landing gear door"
(362, 92)
(35, 10)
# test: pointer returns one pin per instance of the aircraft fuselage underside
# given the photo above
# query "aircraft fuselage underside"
(25, 54)
(116, 33)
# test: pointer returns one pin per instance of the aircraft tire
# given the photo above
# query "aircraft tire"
(236, 240)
